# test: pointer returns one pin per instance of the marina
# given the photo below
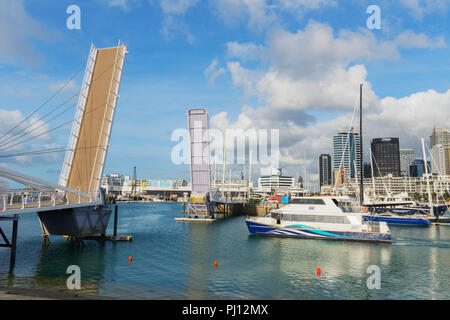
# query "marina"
(173, 260)
(206, 156)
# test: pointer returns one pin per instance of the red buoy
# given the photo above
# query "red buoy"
(130, 258)
(318, 272)
(216, 263)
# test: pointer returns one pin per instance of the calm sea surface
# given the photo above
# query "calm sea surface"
(175, 260)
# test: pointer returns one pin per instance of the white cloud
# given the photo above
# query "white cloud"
(420, 8)
(173, 27)
(316, 50)
(244, 51)
(15, 141)
(311, 86)
(21, 93)
(17, 28)
(177, 7)
(259, 14)
(409, 39)
(123, 4)
(28, 128)
(70, 86)
(213, 72)
(173, 24)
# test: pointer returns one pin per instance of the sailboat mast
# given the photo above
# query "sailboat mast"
(426, 174)
(373, 178)
(361, 167)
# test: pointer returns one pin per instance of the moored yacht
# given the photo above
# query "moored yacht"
(318, 218)
(391, 201)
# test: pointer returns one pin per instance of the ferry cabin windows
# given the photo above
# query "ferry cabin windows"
(274, 215)
(308, 201)
(314, 218)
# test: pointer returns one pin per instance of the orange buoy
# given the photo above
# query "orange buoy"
(318, 272)
(130, 258)
(216, 263)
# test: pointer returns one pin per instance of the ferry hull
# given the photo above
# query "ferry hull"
(310, 233)
(399, 220)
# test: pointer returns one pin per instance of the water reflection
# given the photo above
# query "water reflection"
(199, 247)
(174, 260)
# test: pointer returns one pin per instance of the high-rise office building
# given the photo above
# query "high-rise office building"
(440, 160)
(440, 136)
(346, 154)
(406, 160)
(367, 170)
(417, 169)
(325, 170)
(440, 151)
(385, 157)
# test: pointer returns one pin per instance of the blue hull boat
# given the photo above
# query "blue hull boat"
(399, 220)
(306, 232)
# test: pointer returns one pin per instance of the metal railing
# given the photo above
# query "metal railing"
(27, 199)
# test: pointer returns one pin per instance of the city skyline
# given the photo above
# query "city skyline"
(294, 67)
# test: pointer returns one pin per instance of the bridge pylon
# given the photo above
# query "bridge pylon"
(200, 203)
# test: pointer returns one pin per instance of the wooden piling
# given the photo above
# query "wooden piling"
(116, 209)
(14, 242)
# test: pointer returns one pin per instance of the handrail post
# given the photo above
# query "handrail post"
(23, 202)
(39, 201)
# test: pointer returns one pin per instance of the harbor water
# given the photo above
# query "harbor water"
(175, 260)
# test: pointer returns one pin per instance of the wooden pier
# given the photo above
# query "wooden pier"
(13, 243)
(195, 219)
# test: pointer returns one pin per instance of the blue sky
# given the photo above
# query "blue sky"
(172, 43)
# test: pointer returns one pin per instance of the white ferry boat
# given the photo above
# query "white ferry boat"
(318, 218)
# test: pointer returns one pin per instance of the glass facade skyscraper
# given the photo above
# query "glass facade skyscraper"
(346, 153)
(440, 136)
(385, 157)
(417, 169)
(406, 160)
(440, 151)
(325, 170)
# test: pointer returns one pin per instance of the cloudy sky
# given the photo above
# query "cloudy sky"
(292, 65)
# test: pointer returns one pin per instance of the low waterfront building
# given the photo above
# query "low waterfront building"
(163, 189)
(327, 190)
(112, 183)
(277, 182)
(394, 185)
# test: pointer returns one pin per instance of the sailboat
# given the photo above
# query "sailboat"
(410, 219)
